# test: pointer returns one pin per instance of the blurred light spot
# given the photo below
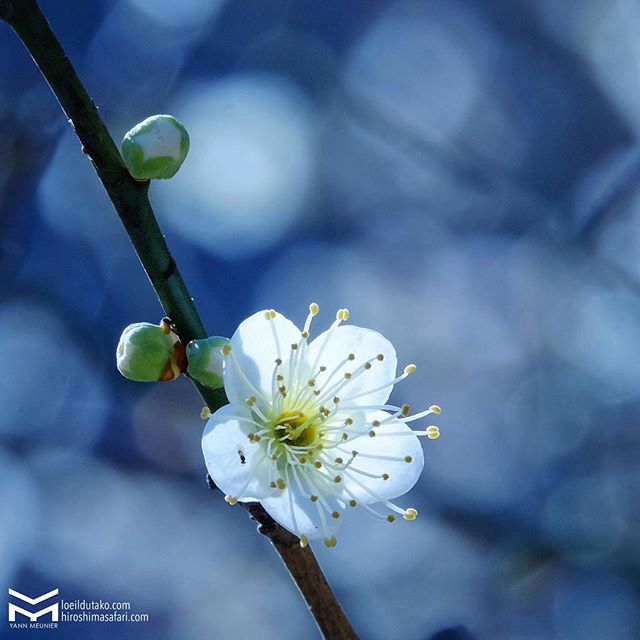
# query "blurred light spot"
(18, 514)
(250, 169)
(168, 427)
(185, 14)
(52, 392)
(599, 332)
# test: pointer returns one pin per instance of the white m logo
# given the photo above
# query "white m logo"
(52, 609)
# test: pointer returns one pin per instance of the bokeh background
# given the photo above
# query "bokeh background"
(465, 177)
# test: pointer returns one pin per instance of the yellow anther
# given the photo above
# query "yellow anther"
(231, 500)
(330, 542)
(226, 350)
(345, 314)
(385, 476)
(317, 465)
(304, 541)
(410, 368)
(302, 459)
(408, 459)
(380, 357)
(353, 503)
(391, 518)
(335, 515)
(433, 433)
(372, 434)
(205, 413)
(312, 383)
(405, 410)
(305, 334)
(281, 484)
(267, 315)
(410, 514)
(337, 479)
(251, 401)
(313, 498)
(314, 309)
(348, 421)
(434, 408)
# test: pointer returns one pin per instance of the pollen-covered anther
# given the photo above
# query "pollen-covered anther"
(205, 414)
(251, 401)
(270, 314)
(410, 368)
(313, 498)
(304, 334)
(281, 484)
(317, 464)
(337, 479)
(391, 518)
(336, 400)
(408, 459)
(348, 375)
(367, 365)
(433, 433)
(335, 515)
(380, 357)
(231, 500)
(372, 434)
(351, 356)
(353, 503)
(339, 460)
(304, 541)
(405, 410)
(311, 383)
(314, 308)
(375, 424)
(331, 541)
(226, 350)
(410, 514)
(348, 422)
(385, 476)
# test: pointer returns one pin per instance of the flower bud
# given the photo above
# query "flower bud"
(149, 353)
(205, 357)
(155, 148)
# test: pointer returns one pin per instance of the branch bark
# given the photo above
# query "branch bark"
(131, 202)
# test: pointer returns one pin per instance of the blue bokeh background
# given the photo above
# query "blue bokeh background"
(464, 176)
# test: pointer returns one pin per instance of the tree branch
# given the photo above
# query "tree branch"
(131, 201)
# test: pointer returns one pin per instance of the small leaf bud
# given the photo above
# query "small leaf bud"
(155, 148)
(149, 353)
(205, 358)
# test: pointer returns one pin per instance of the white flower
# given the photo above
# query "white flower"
(308, 431)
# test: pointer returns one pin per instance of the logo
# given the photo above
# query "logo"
(33, 616)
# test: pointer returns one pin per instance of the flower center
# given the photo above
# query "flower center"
(295, 428)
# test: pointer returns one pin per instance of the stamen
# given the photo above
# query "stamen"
(205, 414)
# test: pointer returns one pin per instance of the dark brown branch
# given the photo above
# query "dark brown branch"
(130, 199)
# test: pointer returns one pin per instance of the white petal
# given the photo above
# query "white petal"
(402, 475)
(248, 370)
(299, 515)
(331, 348)
(225, 444)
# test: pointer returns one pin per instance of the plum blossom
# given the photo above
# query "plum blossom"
(308, 432)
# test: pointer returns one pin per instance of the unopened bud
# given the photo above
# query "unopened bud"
(155, 148)
(149, 353)
(205, 358)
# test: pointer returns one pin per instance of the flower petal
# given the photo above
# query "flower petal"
(248, 369)
(402, 475)
(225, 445)
(298, 514)
(332, 347)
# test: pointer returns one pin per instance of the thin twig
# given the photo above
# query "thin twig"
(131, 201)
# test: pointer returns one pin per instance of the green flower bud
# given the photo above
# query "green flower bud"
(149, 353)
(204, 360)
(155, 148)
